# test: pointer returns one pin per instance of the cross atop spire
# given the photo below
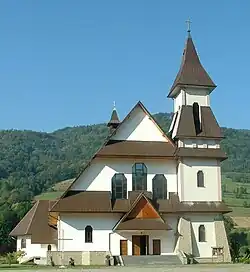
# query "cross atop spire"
(191, 72)
(188, 25)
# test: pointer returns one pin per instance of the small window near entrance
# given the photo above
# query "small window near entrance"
(202, 233)
(49, 248)
(23, 243)
(88, 234)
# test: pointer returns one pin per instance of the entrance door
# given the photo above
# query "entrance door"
(123, 247)
(140, 244)
(157, 247)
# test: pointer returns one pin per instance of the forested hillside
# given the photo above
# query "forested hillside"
(31, 162)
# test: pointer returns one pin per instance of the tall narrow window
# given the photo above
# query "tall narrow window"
(160, 187)
(23, 243)
(49, 248)
(139, 177)
(119, 186)
(202, 233)
(200, 179)
(196, 115)
(88, 234)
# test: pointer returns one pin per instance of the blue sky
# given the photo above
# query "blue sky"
(63, 63)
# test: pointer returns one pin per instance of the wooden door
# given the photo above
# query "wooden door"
(136, 245)
(156, 247)
(123, 247)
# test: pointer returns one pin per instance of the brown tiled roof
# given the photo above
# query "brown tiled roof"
(201, 152)
(100, 201)
(35, 223)
(191, 71)
(173, 205)
(114, 120)
(88, 201)
(204, 206)
(137, 149)
(138, 105)
(143, 224)
(186, 127)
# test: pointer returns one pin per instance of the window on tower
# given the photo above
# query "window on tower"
(160, 187)
(202, 233)
(119, 186)
(200, 179)
(139, 177)
(196, 116)
(88, 234)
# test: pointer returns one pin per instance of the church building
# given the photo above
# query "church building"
(144, 192)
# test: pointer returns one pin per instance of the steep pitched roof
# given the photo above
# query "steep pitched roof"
(191, 71)
(138, 105)
(35, 224)
(114, 120)
(142, 215)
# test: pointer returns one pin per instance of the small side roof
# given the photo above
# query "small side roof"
(142, 215)
(35, 224)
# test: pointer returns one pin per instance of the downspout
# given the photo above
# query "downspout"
(110, 242)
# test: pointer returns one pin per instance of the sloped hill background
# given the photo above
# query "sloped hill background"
(32, 162)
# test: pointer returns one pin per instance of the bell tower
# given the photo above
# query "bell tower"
(193, 117)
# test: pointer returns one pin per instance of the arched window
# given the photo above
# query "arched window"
(23, 243)
(202, 233)
(139, 177)
(160, 187)
(49, 248)
(88, 234)
(200, 179)
(196, 115)
(119, 186)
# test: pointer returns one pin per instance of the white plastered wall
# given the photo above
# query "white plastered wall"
(203, 249)
(179, 100)
(188, 189)
(33, 250)
(139, 127)
(200, 96)
(72, 228)
(199, 143)
(98, 176)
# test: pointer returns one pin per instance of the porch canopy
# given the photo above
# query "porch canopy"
(143, 224)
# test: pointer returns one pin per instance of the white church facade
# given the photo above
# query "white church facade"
(144, 192)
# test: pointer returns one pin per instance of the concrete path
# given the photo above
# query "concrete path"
(187, 268)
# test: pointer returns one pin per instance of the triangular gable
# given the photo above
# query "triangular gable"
(114, 134)
(141, 209)
(139, 125)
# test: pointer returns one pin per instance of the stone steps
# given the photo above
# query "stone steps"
(151, 260)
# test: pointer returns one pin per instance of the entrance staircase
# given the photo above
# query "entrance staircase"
(151, 260)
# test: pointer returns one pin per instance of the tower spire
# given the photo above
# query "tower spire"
(114, 120)
(191, 72)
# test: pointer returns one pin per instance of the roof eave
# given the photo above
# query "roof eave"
(177, 87)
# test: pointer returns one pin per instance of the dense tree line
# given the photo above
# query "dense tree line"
(31, 162)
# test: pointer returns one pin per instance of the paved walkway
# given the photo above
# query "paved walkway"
(186, 268)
